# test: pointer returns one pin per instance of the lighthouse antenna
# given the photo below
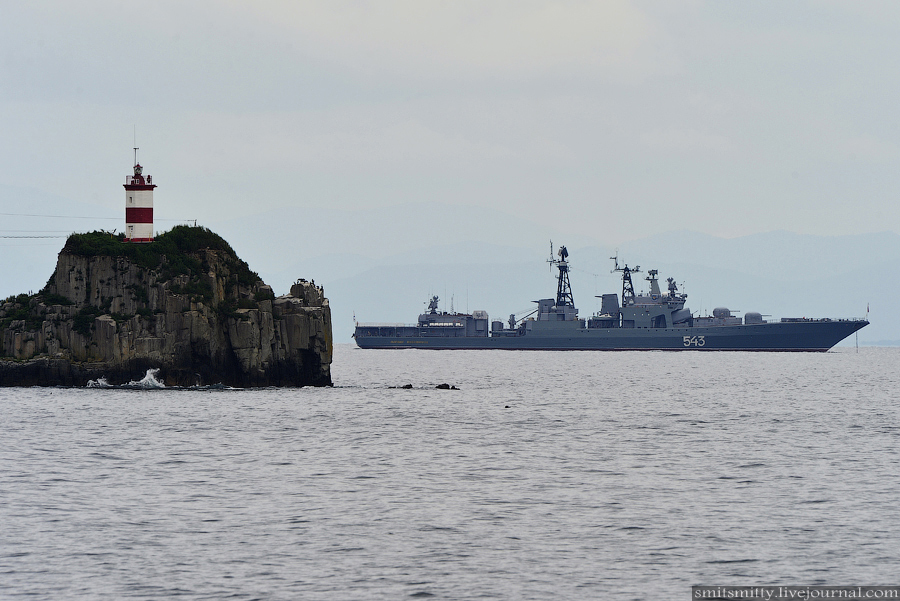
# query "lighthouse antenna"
(135, 143)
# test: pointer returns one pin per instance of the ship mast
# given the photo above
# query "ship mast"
(627, 286)
(564, 296)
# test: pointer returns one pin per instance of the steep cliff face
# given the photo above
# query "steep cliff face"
(184, 304)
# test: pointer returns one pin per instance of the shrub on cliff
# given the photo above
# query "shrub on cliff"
(21, 307)
(173, 253)
(170, 251)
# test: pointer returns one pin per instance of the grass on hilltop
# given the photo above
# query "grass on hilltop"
(170, 251)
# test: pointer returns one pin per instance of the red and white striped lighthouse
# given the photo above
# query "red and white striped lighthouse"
(138, 205)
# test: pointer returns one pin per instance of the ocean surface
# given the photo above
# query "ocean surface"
(566, 475)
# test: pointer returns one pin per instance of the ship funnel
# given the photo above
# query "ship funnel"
(609, 304)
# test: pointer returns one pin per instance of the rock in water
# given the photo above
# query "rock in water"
(185, 304)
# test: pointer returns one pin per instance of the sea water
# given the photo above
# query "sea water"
(547, 475)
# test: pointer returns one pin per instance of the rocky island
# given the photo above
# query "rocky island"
(184, 304)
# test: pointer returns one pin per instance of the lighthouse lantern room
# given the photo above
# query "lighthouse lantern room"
(138, 205)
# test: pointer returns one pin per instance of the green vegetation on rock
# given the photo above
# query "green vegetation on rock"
(83, 322)
(176, 253)
(170, 251)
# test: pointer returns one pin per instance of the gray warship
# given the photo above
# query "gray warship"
(646, 321)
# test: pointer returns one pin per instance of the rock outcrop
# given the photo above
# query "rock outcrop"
(184, 304)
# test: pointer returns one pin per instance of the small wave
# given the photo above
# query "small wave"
(148, 381)
(98, 383)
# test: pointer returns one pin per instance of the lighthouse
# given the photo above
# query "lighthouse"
(138, 205)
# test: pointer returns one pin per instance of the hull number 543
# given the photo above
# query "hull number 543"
(695, 341)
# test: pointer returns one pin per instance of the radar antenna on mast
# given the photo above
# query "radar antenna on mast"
(627, 286)
(564, 296)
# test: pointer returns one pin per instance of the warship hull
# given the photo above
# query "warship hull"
(811, 336)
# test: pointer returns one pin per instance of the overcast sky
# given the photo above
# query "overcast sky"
(612, 120)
